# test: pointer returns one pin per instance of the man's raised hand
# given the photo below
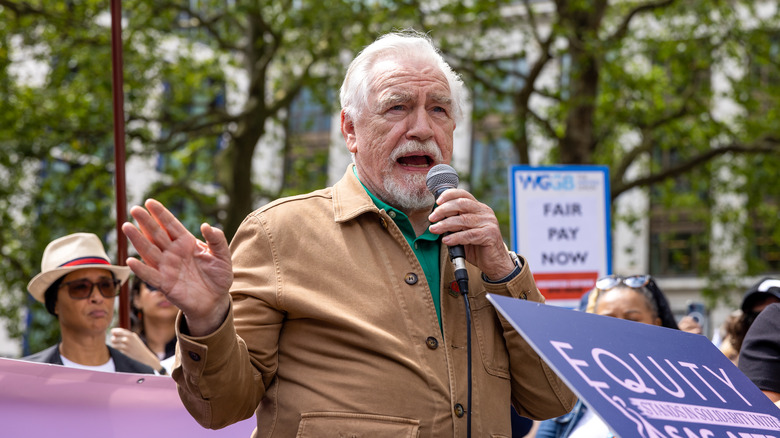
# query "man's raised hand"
(194, 275)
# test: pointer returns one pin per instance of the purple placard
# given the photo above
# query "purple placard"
(642, 380)
(39, 400)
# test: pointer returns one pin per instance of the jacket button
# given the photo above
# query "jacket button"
(459, 411)
(432, 343)
(411, 278)
(194, 356)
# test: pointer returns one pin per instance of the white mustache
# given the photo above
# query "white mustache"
(415, 147)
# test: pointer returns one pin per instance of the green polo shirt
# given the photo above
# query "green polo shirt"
(426, 247)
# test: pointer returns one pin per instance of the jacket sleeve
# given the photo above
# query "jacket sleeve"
(537, 392)
(222, 378)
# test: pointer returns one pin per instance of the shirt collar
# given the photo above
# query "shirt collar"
(398, 216)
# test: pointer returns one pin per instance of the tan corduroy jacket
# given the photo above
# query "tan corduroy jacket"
(333, 332)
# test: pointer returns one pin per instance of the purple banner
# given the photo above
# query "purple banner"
(51, 400)
(643, 380)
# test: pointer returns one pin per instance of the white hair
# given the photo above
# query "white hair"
(407, 44)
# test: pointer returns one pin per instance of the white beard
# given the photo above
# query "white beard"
(411, 193)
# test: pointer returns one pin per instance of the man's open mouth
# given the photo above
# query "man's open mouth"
(422, 161)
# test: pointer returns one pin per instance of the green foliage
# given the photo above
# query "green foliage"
(201, 86)
(652, 99)
(55, 144)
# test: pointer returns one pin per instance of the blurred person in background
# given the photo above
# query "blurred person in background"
(152, 338)
(635, 298)
(755, 300)
(78, 284)
(760, 355)
(689, 324)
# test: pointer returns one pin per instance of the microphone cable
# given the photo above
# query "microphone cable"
(465, 293)
(440, 178)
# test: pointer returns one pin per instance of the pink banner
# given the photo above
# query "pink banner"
(51, 400)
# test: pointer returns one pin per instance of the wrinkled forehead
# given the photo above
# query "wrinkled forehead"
(407, 74)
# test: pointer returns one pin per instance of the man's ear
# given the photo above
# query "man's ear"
(348, 131)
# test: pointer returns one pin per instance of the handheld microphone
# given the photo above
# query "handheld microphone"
(440, 178)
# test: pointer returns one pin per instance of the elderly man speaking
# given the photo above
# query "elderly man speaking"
(336, 313)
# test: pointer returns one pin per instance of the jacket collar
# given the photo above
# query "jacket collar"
(350, 199)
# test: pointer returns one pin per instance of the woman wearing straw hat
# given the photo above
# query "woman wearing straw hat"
(78, 284)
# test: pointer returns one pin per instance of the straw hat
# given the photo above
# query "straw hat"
(71, 253)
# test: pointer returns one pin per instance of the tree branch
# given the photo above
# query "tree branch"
(622, 30)
(532, 22)
(548, 94)
(204, 124)
(490, 84)
(545, 124)
(207, 24)
(767, 145)
(23, 8)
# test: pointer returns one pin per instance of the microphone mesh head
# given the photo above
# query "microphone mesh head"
(441, 177)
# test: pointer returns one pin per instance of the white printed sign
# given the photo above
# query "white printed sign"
(560, 224)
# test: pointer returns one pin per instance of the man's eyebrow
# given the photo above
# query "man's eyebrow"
(395, 98)
(399, 97)
(442, 99)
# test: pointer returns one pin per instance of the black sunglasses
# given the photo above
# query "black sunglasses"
(82, 289)
(613, 281)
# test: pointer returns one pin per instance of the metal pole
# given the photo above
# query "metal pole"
(119, 152)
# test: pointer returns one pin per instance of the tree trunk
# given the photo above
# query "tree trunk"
(579, 139)
(584, 23)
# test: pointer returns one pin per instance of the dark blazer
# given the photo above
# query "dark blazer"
(122, 362)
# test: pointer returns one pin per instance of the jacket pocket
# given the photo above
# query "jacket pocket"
(490, 336)
(355, 425)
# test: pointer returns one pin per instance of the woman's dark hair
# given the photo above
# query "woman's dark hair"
(50, 296)
(655, 300)
(664, 309)
(136, 314)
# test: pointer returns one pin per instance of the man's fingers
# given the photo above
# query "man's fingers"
(144, 271)
(173, 227)
(454, 202)
(450, 194)
(150, 227)
(216, 241)
(148, 251)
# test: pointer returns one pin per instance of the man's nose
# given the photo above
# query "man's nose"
(420, 125)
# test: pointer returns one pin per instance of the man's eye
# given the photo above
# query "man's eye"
(105, 285)
(397, 108)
